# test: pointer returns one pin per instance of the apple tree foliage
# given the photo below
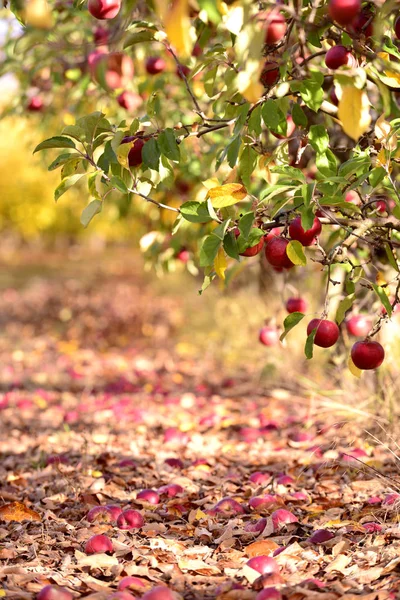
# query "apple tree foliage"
(256, 127)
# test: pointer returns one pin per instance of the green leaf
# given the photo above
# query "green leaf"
(291, 321)
(298, 116)
(138, 37)
(168, 146)
(272, 116)
(376, 176)
(62, 159)
(233, 151)
(66, 184)
(391, 257)
(319, 138)
(311, 91)
(231, 246)
(307, 218)
(70, 167)
(245, 224)
(254, 124)
(212, 212)
(210, 7)
(295, 252)
(195, 212)
(209, 250)
(344, 306)
(380, 292)
(307, 193)
(151, 154)
(94, 125)
(92, 209)
(309, 347)
(208, 279)
(74, 131)
(55, 142)
(119, 184)
(220, 231)
(241, 119)
(247, 163)
(326, 163)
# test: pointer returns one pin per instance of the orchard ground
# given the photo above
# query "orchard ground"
(114, 383)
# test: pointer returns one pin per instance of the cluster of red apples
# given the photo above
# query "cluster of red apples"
(366, 354)
(348, 14)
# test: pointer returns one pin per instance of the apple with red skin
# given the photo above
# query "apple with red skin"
(134, 583)
(386, 205)
(357, 27)
(111, 70)
(344, 11)
(130, 519)
(275, 232)
(197, 50)
(129, 100)
(104, 9)
(252, 250)
(101, 35)
(98, 544)
(135, 153)
(155, 65)
(182, 71)
(275, 26)
(183, 255)
(161, 592)
(338, 56)
(114, 510)
(397, 27)
(327, 332)
(54, 592)
(171, 490)
(35, 104)
(358, 325)
(275, 253)
(305, 237)
(269, 336)
(265, 565)
(333, 97)
(149, 496)
(296, 305)
(367, 355)
(270, 73)
(122, 595)
(269, 593)
(99, 514)
(352, 197)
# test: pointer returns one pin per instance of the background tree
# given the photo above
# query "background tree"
(258, 129)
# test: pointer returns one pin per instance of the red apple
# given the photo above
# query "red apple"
(357, 27)
(275, 232)
(252, 250)
(54, 592)
(99, 514)
(149, 496)
(133, 583)
(397, 27)
(101, 35)
(171, 490)
(35, 104)
(269, 593)
(282, 517)
(183, 255)
(114, 511)
(319, 536)
(269, 336)
(344, 11)
(104, 9)
(155, 65)
(337, 56)
(197, 50)
(275, 26)
(227, 507)
(111, 71)
(296, 305)
(259, 478)
(182, 71)
(367, 355)
(135, 153)
(270, 73)
(129, 100)
(386, 205)
(98, 543)
(327, 332)
(265, 565)
(306, 238)
(275, 253)
(352, 197)
(130, 519)
(333, 97)
(358, 325)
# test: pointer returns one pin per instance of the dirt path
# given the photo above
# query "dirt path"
(96, 407)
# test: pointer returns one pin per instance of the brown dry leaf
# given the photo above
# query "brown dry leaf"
(17, 511)
(198, 566)
(265, 547)
(339, 564)
(100, 560)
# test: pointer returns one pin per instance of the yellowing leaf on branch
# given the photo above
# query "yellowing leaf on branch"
(384, 133)
(353, 369)
(227, 195)
(220, 264)
(178, 27)
(353, 112)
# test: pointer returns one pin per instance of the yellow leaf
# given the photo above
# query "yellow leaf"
(200, 515)
(353, 369)
(226, 195)
(354, 112)
(122, 154)
(178, 27)
(220, 263)
(211, 183)
(384, 134)
(250, 87)
(382, 160)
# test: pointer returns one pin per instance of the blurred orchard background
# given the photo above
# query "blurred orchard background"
(45, 244)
